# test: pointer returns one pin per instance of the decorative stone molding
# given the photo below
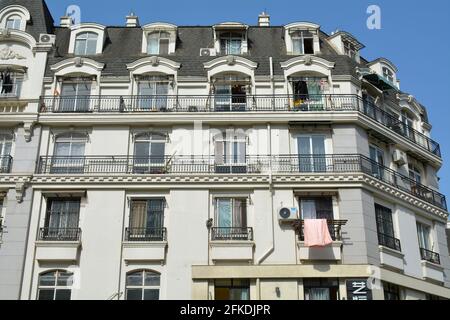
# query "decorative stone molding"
(20, 189)
(8, 54)
(28, 130)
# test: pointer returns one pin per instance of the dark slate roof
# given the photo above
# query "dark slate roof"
(41, 19)
(123, 45)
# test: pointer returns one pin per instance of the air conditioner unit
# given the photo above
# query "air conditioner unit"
(207, 52)
(47, 38)
(287, 214)
(400, 157)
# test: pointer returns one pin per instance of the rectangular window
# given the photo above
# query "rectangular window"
(311, 153)
(232, 289)
(321, 289)
(146, 220)
(377, 157)
(231, 155)
(75, 96)
(302, 42)
(149, 153)
(385, 228)
(10, 84)
(231, 44)
(424, 235)
(231, 219)
(62, 219)
(391, 291)
(153, 94)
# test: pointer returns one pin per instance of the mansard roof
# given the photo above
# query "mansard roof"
(124, 45)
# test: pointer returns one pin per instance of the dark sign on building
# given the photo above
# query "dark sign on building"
(357, 289)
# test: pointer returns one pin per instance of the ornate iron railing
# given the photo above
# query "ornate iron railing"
(236, 233)
(389, 241)
(59, 234)
(145, 234)
(430, 256)
(334, 226)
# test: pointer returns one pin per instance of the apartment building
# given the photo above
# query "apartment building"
(181, 162)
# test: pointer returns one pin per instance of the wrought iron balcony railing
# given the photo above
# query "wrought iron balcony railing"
(59, 234)
(5, 164)
(430, 256)
(281, 164)
(145, 234)
(235, 234)
(334, 226)
(389, 241)
(237, 103)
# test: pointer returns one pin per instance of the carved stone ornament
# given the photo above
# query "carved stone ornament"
(8, 54)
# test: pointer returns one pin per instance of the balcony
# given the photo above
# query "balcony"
(258, 164)
(390, 252)
(236, 103)
(231, 234)
(145, 244)
(5, 164)
(231, 244)
(430, 256)
(431, 266)
(332, 252)
(145, 234)
(58, 244)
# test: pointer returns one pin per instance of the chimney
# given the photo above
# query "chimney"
(264, 20)
(66, 22)
(132, 20)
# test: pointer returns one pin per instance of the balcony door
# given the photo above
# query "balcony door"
(311, 153)
(231, 93)
(385, 228)
(68, 155)
(231, 154)
(377, 157)
(231, 219)
(149, 153)
(147, 220)
(75, 96)
(308, 93)
(318, 208)
(152, 92)
(62, 219)
(5, 152)
(10, 84)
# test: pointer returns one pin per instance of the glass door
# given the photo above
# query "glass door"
(311, 152)
(231, 219)
(75, 97)
(147, 220)
(149, 153)
(68, 155)
(62, 219)
(153, 95)
(377, 157)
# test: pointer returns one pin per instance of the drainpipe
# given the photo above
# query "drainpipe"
(272, 247)
(272, 82)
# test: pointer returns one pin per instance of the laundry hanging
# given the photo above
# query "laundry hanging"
(316, 233)
(7, 82)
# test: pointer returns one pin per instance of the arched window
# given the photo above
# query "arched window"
(14, 22)
(86, 43)
(55, 285)
(142, 285)
(158, 42)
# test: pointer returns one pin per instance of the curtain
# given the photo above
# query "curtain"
(224, 214)
(219, 152)
(138, 217)
(319, 294)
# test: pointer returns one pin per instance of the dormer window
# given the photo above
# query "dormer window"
(350, 50)
(14, 22)
(231, 43)
(302, 42)
(86, 43)
(158, 42)
(388, 74)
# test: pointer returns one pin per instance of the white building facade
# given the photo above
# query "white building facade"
(179, 162)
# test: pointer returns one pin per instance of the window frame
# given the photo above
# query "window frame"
(14, 17)
(142, 287)
(235, 285)
(55, 287)
(86, 41)
(17, 79)
(388, 74)
(159, 38)
(227, 39)
(299, 36)
(322, 284)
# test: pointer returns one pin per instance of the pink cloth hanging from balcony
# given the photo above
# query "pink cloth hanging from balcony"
(316, 233)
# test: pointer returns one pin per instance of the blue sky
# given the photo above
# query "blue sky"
(414, 35)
